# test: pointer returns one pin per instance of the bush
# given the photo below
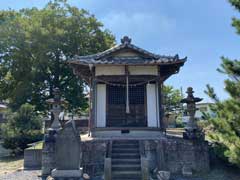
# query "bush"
(22, 128)
(179, 123)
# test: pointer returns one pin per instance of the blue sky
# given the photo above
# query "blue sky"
(198, 29)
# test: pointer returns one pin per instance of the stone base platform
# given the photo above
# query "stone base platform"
(162, 152)
(159, 151)
(61, 174)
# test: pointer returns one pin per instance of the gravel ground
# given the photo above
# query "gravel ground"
(217, 173)
(33, 175)
(22, 175)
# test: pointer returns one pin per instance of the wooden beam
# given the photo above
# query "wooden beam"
(122, 78)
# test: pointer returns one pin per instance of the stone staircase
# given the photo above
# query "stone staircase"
(126, 162)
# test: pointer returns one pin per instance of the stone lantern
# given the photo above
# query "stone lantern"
(191, 128)
(55, 105)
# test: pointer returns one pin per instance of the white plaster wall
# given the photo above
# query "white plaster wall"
(120, 70)
(109, 70)
(143, 70)
(152, 106)
(101, 105)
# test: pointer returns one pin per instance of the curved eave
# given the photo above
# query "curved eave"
(107, 62)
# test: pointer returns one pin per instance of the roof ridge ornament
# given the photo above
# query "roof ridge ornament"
(126, 40)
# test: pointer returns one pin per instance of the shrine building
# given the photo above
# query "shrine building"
(126, 123)
(125, 84)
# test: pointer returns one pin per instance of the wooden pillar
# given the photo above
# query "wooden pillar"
(92, 86)
(160, 100)
(161, 112)
(127, 110)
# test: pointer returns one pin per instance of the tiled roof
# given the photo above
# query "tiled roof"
(105, 58)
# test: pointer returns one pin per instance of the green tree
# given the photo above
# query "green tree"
(34, 47)
(224, 129)
(22, 127)
(171, 98)
(171, 101)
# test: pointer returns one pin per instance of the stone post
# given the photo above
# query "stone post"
(68, 153)
(144, 167)
(108, 169)
(48, 152)
(161, 163)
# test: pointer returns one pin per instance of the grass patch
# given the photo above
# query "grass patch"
(175, 131)
(10, 164)
(37, 145)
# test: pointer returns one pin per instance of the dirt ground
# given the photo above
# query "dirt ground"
(10, 164)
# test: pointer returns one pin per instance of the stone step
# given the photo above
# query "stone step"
(125, 150)
(124, 146)
(126, 161)
(126, 178)
(118, 169)
(125, 142)
(125, 155)
(126, 175)
(126, 167)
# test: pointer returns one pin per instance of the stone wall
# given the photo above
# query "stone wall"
(93, 156)
(168, 153)
(177, 153)
(32, 158)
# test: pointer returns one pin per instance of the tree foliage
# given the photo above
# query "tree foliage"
(224, 129)
(172, 98)
(34, 47)
(22, 127)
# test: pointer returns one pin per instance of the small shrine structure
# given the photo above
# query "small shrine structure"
(126, 139)
(125, 88)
